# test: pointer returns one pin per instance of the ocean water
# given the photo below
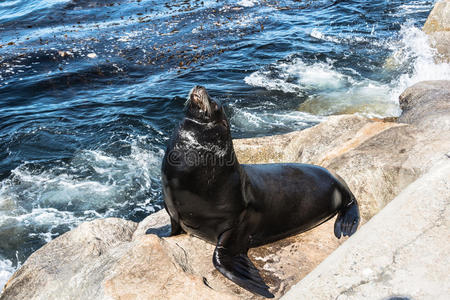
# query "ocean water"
(91, 90)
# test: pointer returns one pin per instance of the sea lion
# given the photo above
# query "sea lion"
(207, 193)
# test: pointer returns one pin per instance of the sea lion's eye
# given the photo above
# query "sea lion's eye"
(225, 123)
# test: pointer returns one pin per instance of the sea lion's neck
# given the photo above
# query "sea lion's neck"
(205, 146)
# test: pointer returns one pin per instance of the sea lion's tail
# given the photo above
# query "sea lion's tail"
(348, 217)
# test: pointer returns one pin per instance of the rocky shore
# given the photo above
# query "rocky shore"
(406, 159)
(437, 27)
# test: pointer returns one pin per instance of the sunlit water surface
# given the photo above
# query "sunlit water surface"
(91, 90)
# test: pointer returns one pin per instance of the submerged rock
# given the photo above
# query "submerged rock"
(117, 259)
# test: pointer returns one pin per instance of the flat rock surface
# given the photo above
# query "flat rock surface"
(401, 252)
(118, 259)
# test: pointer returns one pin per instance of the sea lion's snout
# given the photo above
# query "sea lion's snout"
(201, 107)
(199, 97)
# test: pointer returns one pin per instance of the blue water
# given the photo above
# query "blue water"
(91, 90)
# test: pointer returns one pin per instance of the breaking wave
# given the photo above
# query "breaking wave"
(330, 87)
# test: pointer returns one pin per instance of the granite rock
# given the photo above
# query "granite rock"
(117, 259)
(401, 253)
(437, 27)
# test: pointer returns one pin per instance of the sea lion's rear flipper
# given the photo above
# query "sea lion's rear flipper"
(348, 220)
(238, 268)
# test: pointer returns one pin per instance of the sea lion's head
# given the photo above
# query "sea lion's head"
(202, 108)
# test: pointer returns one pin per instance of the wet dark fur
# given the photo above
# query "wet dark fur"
(239, 206)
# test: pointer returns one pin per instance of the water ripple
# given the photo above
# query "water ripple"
(91, 90)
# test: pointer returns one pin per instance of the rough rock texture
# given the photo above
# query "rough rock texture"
(426, 107)
(433, 98)
(279, 266)
(368, 154)
(437, 27)
(401, 252)
(72, 263)
(116, 259)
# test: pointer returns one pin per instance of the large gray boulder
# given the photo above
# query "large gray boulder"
(368, 154)
(72, 265)
(427, 105)
(401, 253)
(116, 259)
(437, 27)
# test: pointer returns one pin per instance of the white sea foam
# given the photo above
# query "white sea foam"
(6, 270)
(39, 204)
(332, 91)
(413, 51)
(413, 7)
(267, 121)
(346, 38)
(43, 219)
(112, 179)
(247, 3)
(328, 90)
(296, 76)
(315, 33)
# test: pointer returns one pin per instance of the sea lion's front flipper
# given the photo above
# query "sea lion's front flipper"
(236, 266)
(175, 227)
(166, 230)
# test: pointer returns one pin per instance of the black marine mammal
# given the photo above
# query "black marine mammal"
(235, 206)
